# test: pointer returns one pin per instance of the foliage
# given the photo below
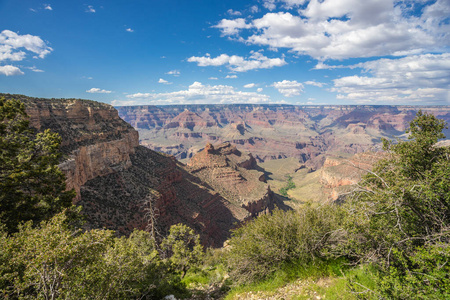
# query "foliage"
(289, 186)
(264, 245)
(31, 185)
(400, 216)
(57, 262)
(182, 248)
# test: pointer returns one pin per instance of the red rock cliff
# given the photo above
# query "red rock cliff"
(95, 141)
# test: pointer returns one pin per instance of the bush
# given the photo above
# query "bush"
(56, 261)
(265, 244)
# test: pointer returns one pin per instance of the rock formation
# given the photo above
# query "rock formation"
(338, 175)
(236, 176)
(272, 131)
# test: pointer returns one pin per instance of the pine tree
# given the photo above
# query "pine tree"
(31, 185)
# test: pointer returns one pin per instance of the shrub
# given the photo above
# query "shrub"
(265, 244)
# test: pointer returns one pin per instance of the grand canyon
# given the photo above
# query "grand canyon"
(211, 166)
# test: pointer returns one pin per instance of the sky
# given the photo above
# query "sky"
(162, 52)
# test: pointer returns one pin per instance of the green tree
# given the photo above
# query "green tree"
(182, 248)
(31, 185)
(400, 216)
(53, 261)
(56, 261)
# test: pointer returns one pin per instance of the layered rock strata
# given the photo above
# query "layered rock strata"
(95, 140)
(272, 131)
(236, 176)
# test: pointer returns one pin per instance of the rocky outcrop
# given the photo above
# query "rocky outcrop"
(122, 200)
(95, 141)
(236, 176)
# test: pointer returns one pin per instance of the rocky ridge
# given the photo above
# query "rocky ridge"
(236, 176)
(272, 131)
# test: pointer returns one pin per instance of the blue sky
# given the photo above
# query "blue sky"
(228, 51)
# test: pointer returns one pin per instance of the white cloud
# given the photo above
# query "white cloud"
(9, 70)
(174, 73)
(254, 9)
(288, 88)
(34, 69)
(330, 29)
(11, 45)
(234, 12)
(238, 63)
(197, 93)
(231, 27)
(98, 91)
(259, 90)
(90, 9)
(419, 78)
(269, 4)
(314, 83)
(47, 7)
(164, 81)
(129, 30)
(249, 85)
(231, 76)
(213, 78)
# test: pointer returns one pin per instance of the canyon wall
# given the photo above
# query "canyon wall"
(272, 131)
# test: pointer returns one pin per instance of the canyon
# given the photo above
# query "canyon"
(211, 167)
(122, 185)
(272, 131)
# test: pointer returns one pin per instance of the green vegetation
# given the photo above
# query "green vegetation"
(31, 185)
(390, 240)
(289, 186)
(394, 229)
(45, 254)
(400, 217)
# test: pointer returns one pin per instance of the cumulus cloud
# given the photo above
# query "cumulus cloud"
(234, 12)
(254, 9)
(164, 81)
(238, 63)
(9, 70)
(269, 4)
(231, 27)
(249, 86)
(213, 78)
(47, 7)
(12, 46)
(174, 73)
(418, 78)
(197, 93)
(332, 29)
(288, 88)
(231, 77)
(90, 9)
(314, 83)
(129, 30)
(259, 90)
(98, 91)
(34, 69)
